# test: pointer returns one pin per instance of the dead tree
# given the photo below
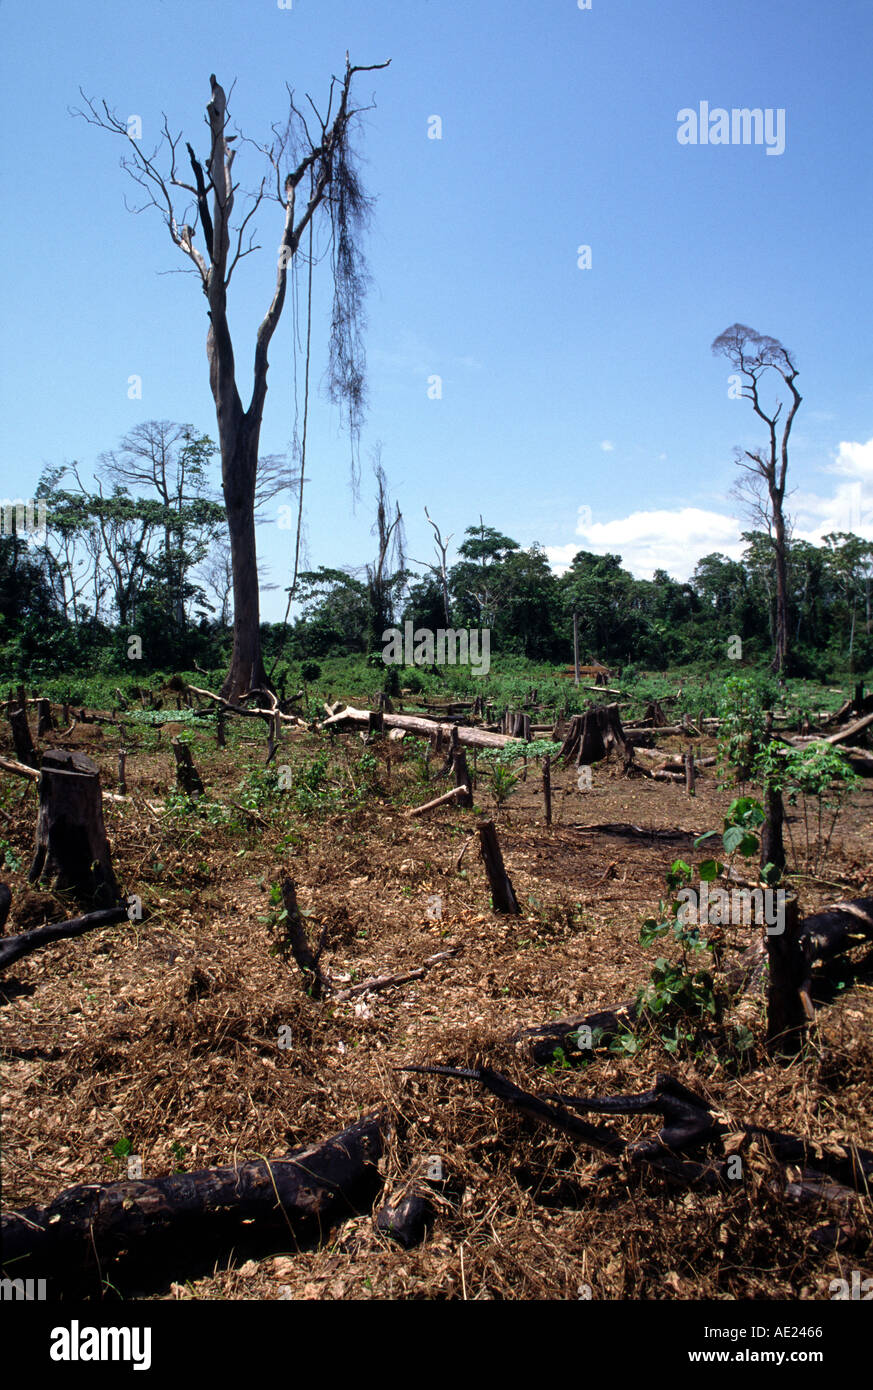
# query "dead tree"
(753, 355)
(198, 214)
(72, 850)
(502, 892)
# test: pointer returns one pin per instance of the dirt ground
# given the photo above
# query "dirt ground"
(164, 1031)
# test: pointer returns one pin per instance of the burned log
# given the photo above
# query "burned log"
(688, 1124)
(12, 948)
(72, 849)
(137, 1234)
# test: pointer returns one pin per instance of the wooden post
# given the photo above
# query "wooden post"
(502, 892)
(122, 781)
(24, 749)
(220, 737)
(575, 648)
(689, 772)
(65, 714)
(547, 787)
(187, 775)
(45, 723)
(787, 1014)
(71, 848)
(525, 727)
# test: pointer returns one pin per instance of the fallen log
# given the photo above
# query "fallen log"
(138, 1233)
(457, 794)
(12, 948)
(417, 724)
(688, 1123)
(849, 730)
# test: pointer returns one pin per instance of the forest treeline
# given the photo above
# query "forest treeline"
(144, 554)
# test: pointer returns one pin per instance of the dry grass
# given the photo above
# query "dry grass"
(164, 1032)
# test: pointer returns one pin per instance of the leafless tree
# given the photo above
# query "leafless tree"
(440, 569)
(388, 531)
(753, 355)
(198, 213)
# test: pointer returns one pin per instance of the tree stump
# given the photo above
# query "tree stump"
(547, 787)
(72, 850)
(592, 735)
(45, 723)
(122, 779)
(502, 892)
(187, 776)
(24, 749)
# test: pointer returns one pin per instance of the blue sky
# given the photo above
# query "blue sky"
(562, 388)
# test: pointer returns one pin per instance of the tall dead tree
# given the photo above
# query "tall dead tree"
(752, 355)
(322, 166)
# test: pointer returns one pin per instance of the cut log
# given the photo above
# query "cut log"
(417, 724)
(136, 1234)
(72, 850)
(12, 948)
(502, 892)
(850, 730)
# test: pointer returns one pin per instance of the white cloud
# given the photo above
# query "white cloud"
(854, 460)
(607, 446)
(675, 540)
(650, 540)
